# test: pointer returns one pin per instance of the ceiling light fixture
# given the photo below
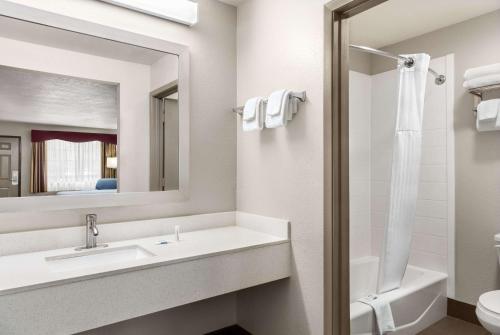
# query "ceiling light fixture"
(181, 11)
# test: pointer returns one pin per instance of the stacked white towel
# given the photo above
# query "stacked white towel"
(280, 109)
(253, 114)
(488, 115)
(482, 76)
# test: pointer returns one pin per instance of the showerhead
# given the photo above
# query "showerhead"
(440, 80)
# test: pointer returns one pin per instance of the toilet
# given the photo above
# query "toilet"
(488, 306)
(488, 311)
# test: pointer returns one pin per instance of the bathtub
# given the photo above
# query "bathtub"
(417, 304)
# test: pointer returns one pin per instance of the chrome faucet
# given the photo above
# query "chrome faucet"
(92, 231)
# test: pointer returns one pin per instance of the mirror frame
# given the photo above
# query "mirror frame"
(52, 202)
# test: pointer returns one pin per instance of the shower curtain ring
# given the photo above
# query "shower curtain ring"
(409, 62)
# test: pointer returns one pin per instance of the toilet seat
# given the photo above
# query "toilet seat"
(488, 311)
(491, 302)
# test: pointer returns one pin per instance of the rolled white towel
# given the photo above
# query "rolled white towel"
(482, 71)
(492, 79)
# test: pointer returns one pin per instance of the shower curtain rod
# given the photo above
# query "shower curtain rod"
(408, 61)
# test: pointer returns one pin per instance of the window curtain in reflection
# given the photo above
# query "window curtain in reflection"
(73, 166)
(405, 173)
(38, 175)
(108, 150)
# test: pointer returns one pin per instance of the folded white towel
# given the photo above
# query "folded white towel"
(488, 115)
(382, 311)
(279, 109)
(486, 125)
(253, 114)
(488, 109)
(486, 80)
(482, 71)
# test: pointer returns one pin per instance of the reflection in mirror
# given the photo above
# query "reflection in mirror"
(164, 120)
(84, 115)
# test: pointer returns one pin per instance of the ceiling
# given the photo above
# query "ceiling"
(63, 39)
(398, 20)
(45, 98)
(232, 2)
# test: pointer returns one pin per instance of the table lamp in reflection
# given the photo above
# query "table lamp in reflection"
(111, 162)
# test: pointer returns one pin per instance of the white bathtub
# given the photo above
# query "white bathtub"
(420, 302)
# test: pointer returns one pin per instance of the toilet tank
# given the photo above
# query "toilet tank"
(497, 246)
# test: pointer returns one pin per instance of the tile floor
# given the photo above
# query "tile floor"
(449, 326)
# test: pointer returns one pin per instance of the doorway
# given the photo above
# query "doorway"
(10, 166)
(164, 129)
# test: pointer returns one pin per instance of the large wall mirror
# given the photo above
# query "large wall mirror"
(84, 115)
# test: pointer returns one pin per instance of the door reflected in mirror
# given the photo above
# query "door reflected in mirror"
(85, 115)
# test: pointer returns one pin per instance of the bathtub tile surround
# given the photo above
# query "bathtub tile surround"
(373, 103)
(431, 223)
(474, 42)
(371, 133)
(201, 265)
(359, 163)
(407, 149)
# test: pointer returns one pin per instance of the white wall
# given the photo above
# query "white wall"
(134, 81)
(360, 108)
(212, 47)
(280, 171)
(171, 144)
(164, 71)
(430, 236)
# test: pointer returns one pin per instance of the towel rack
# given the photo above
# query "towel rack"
(478, 93)
(300, 96)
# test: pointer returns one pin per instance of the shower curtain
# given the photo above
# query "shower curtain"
(405, 173)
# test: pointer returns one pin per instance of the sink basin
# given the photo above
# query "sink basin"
(91, 258)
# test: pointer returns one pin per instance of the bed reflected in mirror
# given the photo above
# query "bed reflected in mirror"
(84, 115)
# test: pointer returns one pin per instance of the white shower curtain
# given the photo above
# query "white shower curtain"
(405, 173)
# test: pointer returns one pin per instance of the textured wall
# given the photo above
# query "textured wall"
(280, 171)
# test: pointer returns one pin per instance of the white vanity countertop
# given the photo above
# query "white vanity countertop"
(29, 271)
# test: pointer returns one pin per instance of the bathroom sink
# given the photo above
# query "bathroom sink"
(91, 258)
